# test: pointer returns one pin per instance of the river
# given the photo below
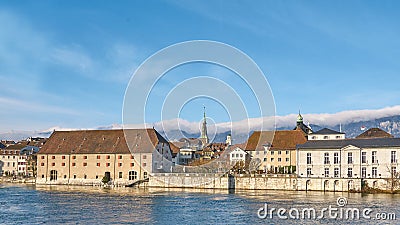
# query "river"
(30, 204)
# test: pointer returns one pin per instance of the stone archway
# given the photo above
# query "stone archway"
(326, 185)
(335, 185)
(308, 184)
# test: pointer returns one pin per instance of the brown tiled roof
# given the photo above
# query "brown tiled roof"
(175, 149)
(282, 139)
(375, 133)
(102, 141)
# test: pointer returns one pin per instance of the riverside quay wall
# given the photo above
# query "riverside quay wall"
(263, 182)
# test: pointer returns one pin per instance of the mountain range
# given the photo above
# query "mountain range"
(352, 123)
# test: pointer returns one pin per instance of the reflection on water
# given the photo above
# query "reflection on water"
(21, 204)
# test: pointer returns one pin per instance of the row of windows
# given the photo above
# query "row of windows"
(336, 172)
(97, 164)
(8, 157)
(279, 152)
(336, 160)
(279, 159)
(237, 155)
(85, 157)
(132, 175)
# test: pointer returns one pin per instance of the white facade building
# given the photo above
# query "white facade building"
(349, 158)
(237, 155)
(326, 134)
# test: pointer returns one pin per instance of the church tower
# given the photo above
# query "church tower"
(204, 135)
(301, 126)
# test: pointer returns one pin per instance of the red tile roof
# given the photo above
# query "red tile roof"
(282, 139)
(102, 141)
(374, 133)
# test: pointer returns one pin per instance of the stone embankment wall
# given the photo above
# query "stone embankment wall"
(256, 182)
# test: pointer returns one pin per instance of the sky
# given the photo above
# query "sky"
(68, 63)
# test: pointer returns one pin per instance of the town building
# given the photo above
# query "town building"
(275, 151)
(326, 134)
(92, 156)
(367, 158)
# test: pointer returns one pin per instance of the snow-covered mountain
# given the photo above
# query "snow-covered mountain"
(352, 123)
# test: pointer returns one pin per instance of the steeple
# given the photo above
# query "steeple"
(299, 118)
(204, 136)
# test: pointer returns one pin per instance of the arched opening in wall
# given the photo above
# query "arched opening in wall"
(53, 175)
(350, 185)
(375, 184)
(335, 185)
(326, 185)
(308, 183)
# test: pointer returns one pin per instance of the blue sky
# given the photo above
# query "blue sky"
(68, 63)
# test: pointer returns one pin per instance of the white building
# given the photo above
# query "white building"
(326, 134)
(349, 158)
(237, 155)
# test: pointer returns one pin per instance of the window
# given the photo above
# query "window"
(326, 158)
(42, 164)
(63, 157)
(241, 155)
(144, 164)
(42, 175)
(132, 175)
(98, 164)
(42, 157)
(279, 159)
(53, 164)
(62, 164)
(85, 157)
(73, 164)
(308, 158)
(265, 159)
(98, 157)
(132, 157)
(73, 157)
(394, 171)
(65, 176)
(84, 176)
(272, 152)
(374, 172)
(272, 159)
(84, 164)
(107, 164)
(53, 157)
(349, 158)
(337, 137)
(97, 176)
(326, 172)
(287, 159)
(363, 157)
(336, 158)
(374, 160)
(74, 176)
(237, 155)
(144, 157)
(326, 137)
(108, 157)
(144, 175)
(119, 164)
(132, 164)
(393, 157)
(309, 172)
(363, 172)
(53, 175)
(120, 157)
(279, 152)
(350, 172)
(287, 152)
(120, 175)
(336, 172)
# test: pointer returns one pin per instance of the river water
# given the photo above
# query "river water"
(30, 204)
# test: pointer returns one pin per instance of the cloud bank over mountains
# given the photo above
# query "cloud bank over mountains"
(240, 127)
